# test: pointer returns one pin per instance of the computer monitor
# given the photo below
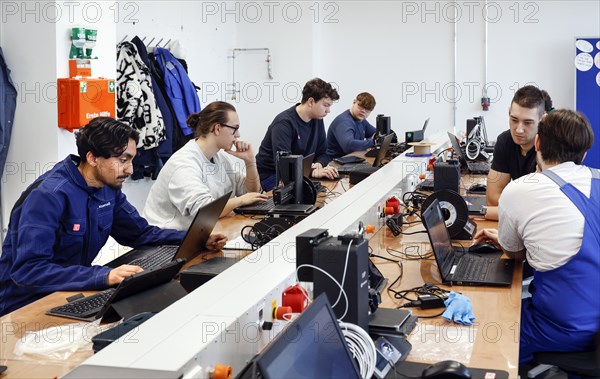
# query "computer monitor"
(289, 172)
(313, 346)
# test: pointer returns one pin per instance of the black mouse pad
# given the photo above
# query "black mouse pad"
(414, 370)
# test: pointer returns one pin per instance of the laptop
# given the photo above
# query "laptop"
(459, 267)
(385, 146)
(149, 257)
(307, 162)
(474, 167)
(312, 346)
(260, 209)
(97, 305)
(425, 125)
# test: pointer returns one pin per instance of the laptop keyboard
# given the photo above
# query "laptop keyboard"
(86, 307)
(266, 205)
(258, 208)
(163, 255)
(480, 166)
(351, 167)
(472, 268)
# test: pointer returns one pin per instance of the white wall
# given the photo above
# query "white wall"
(401, 51)
(206, 43)
(36, 41)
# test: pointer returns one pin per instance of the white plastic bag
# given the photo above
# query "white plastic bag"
(60, 341)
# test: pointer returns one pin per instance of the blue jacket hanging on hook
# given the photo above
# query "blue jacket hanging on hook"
(179, 88)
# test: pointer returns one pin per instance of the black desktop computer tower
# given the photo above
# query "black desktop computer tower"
(305, 244)
(330, 256)
(446, 176)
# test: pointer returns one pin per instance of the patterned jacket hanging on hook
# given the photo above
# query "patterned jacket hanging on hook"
(136, 104)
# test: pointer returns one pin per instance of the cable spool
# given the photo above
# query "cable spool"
(474, 148)
(455, 212)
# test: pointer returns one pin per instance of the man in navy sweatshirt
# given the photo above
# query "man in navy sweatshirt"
(299, 130)
(62, 220)
(350, 131)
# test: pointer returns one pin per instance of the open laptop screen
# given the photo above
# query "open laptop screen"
(385, 146)
(311, 347)
(307, 162)
(439, 238)
(201, 227)
(456, 147)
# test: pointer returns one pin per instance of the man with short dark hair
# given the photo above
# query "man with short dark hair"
(514, 155)
(551, 218)
(299, 130)
(350, 131)
(62, 220)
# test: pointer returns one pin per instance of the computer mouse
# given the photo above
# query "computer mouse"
(483, 248)
(447, 370)
(478, 188)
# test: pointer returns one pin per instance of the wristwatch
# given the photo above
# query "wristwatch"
(484, 209)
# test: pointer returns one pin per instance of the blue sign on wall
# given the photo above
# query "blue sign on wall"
(587, 90)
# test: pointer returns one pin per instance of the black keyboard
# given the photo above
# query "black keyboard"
(163, 255)
(373, 152)
(480, 167)
(84, 308)
(256, 209)
(347, 168)
(472, 268)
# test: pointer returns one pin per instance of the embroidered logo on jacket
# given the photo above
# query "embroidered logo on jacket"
(76, 227)
(103, 205)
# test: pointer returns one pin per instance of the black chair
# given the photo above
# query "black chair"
(583, 365)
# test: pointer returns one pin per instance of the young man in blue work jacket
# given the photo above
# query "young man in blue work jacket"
(350, 131)
(60, 223)
(551, 218)
(299, 130)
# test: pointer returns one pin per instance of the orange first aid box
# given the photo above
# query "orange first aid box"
(82, 99)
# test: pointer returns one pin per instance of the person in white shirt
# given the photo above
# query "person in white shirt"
(551, 218)
(207, 167)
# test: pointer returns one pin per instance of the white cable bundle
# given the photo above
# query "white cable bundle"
(361, 346)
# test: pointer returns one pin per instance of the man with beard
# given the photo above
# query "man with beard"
(62, 220)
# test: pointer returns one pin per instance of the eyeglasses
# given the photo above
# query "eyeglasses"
(235, 128)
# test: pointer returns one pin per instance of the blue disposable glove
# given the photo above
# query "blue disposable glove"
(459, 309)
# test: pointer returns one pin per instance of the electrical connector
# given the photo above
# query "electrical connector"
(426, 302)
(430, 301)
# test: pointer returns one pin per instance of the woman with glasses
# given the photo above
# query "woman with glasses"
(207, 167)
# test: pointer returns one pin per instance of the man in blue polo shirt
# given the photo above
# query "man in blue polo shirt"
(62, 220)
(299, 130)
(350, 131)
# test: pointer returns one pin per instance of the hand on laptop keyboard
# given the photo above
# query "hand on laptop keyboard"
(117, 275)
(253, 197)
